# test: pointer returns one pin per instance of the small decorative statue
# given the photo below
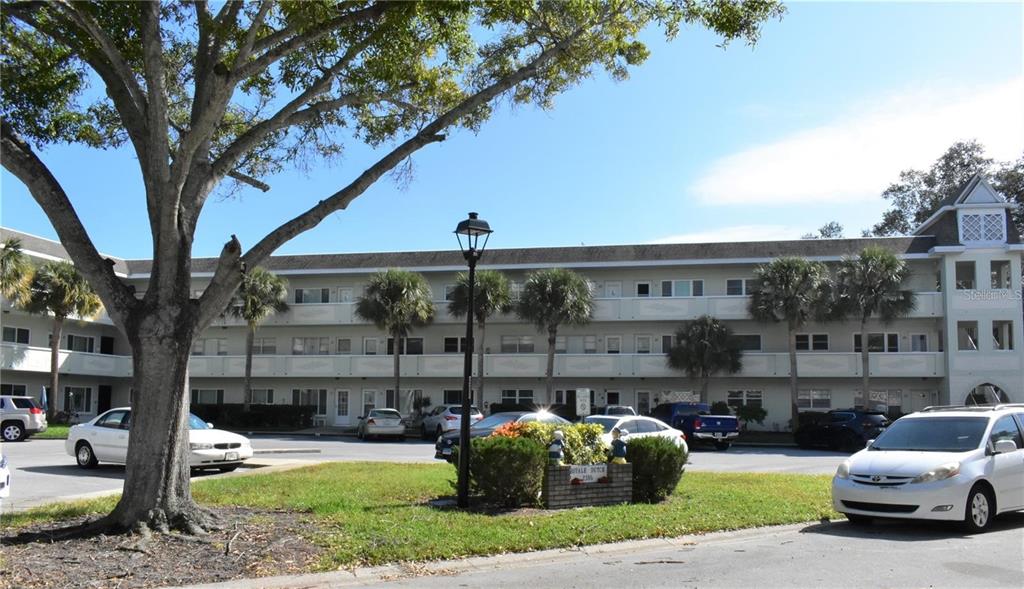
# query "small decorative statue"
(619, 445)
(556, 451)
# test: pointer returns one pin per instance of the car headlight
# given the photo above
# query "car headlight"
(843, 472)
(939, 473)
(200, 446)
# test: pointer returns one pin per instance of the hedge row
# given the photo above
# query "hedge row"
(229, 416)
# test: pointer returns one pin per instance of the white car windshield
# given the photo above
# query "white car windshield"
(196, 423)
(606, 422)
(933, 434)
(386, 413)
(495, 420)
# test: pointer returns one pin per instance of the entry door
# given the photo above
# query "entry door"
(341, 408)
(345, 294)
(643, 402)
(103, 398)
(613, 290)
(921, 399)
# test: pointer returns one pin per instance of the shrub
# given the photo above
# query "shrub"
(276, 417)
(507, 471)
(749, 413)
(721, 408)
(512, 429)
(583, 444)
(657, 467)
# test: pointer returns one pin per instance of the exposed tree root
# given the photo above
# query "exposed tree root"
(190, 524)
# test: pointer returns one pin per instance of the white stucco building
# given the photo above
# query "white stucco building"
(964, 336)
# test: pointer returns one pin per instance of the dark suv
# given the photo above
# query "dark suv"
(840, 429)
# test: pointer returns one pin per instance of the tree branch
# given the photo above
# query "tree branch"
(247, 179)
(226, 279)
(19, 159)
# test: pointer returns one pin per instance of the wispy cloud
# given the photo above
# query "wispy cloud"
(735, 233)
(860, 153)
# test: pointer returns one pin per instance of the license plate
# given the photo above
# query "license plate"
(231, 456)
(718, 434)
(446, 452)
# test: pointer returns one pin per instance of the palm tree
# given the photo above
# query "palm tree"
(872, 284)
(396, 301)
(551, 298)
(492, 294)
(58, 289)
(261, 294)
(790, 290)
(704, 347)
(15, 271)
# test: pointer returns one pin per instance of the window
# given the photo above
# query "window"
(15, 335)
(613, 397)
(452, 396)
(562, 396)
(682, 288)
(210, 347)
(220, 346)
(112, 420)
(314, 397)
(749, 342)
(666, 343)
(207, 396)
(735, 287)
(643, 289)
(814, 399)
(739, 398)
(643, 344)
(990, 227)
(1002, 335)
(369, 401)
(918, 342)
(613, 344)
(517, 344)
(449, 291)
(344, 294)
(370, 346)
(311, 346)
(561, 344)
(517, 396)
(15, 390)
(412, 346)
(263, 396)
(342, 409)
(312, 295)
(878, 342)
(454, 345)
(1000, 270)
(1006, 429)
(967, 336)
(264, 346)
(198, 347)
(344, 346)
(590, 344)
(817, 342)
(965, 275)
(516, 288)
(78, 343)
(643, 402)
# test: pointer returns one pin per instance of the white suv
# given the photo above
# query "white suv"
(20, 417)
(961, 464)
(445, 418)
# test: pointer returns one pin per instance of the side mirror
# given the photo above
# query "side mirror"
(209, 425)
(871, 441)
(1005, 446)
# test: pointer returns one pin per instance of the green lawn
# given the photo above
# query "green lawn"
(375, 513)
(53, 432)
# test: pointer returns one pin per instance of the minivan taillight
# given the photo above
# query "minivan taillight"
(35, 410)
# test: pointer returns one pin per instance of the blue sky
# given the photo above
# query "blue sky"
(700, 144)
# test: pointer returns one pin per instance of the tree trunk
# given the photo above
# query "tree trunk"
(398, 369)
(550, 381)
(51, 401)
(704, 388)
(479, 397)
(247, 380)
(794, 391)
(865, 364)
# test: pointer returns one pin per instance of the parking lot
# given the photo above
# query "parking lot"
(42, 472)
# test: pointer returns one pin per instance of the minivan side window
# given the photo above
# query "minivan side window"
(1006, 429)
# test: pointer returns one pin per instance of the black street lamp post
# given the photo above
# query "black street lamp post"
(472, 228)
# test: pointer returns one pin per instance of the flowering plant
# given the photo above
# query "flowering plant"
(509, 430)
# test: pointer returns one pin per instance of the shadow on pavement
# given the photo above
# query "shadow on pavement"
(905, 530)
(105, 471)
(768, 450)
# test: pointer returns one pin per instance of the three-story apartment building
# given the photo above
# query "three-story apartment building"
(961, 343)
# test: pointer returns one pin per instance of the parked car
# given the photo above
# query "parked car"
(443, 448)
(105, 439)
(20, 417)
(638, 427)
(381, 422)
(444, 418)
(5, 476)
(619, 410)
(840, 429)
(700, 426)
(961, 464)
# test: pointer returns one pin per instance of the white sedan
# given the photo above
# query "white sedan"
(105, 439)
(381, 422)
(638, 427)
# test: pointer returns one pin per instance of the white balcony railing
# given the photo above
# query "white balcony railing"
(35, 359)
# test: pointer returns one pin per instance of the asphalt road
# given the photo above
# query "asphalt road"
(42, 472)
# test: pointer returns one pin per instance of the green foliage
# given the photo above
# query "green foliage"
(791, 290)
(507, 471)
(261, 294)
(583, 443)
(751, 414)
(396, 301)
(15, 271)
(721, 408)
(555, 297)
(657, 467)
(492, 295)
(871, 284)
(58, 289)
(830, 230)
(704, 347)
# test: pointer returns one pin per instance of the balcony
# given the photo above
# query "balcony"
(34, 359)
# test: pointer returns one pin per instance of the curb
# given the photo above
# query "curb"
(287, 451)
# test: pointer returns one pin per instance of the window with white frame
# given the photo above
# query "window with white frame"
(562, 396)
(1000, 271)
(455, 345)
(613, 344)
(812, 342)
(15, 335)
(964, 275)
(741, 398)
(814, 399)
(666, 343)
(517, 344)
(1002, 335)
(264, 346)
(198, 347)
(449, 291)
(643, 289)
(878, 342)
(342, 407)
(517, 396)
(14, 390)
(207, 396)
(515, 288)
(735, 287)
(312, 295)
(452, 396)
(263, 396)
(370, 346)
(412, 346)
(918, 342)
(220, 346)
(78, 399)
(343, 345)
(983, 227)
(749, 342)
(311, 346)
(78, 343)
(315, 397)
(612, 397)
(682, 288)
(590, 344)
(561, 344)
(643, 344)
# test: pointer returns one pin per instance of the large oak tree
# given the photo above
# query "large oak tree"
(211, 92)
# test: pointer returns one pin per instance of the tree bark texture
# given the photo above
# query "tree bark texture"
(51, 401)
(398, 369)
(550, 381)
(794, 390)
(865, 363)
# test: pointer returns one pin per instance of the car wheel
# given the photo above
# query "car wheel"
(84, 455)
(13, 432)
(722, 446)
(859, 520)
(231, 468)
(981, 508)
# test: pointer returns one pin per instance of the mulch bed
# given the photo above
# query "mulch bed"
(253, 543)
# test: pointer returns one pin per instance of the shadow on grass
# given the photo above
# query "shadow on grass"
(907, 530)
